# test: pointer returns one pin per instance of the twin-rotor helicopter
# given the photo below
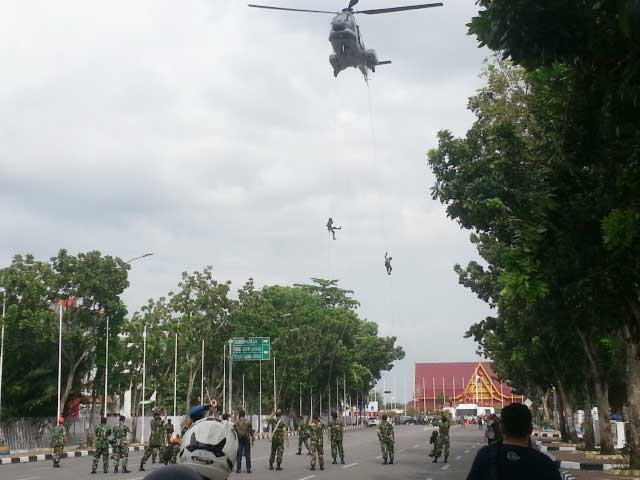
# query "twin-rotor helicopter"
(345, 38)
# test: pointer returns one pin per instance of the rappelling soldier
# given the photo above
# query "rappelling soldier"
(387, 262)
(331, 228)
(57, 441)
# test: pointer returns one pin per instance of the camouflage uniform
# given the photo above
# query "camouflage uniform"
(102, 434)
(155, 441)
(120, 435)
(336, 432)
(316, 439)
(385, 435)
(443, 439)
(303, 436)
(57, 440)
(167, 449)
(278, 428)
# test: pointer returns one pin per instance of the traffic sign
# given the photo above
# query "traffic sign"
(251, 348)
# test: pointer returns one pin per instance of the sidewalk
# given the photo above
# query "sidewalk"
(43, 456)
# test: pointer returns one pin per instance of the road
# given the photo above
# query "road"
(362, 452)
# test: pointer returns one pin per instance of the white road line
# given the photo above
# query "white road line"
(458, 457)
(28, 478)
(379, 456)
(351, 465)
(466, 451)
(446, 467)
(307, 478)
(416, 446)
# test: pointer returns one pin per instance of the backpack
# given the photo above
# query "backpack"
(243, 427)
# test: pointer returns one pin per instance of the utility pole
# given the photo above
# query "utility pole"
(59, 360)
(144, 378)
(175, 375)
(106, 366)
(4, 310)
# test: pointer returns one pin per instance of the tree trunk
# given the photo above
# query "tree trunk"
(567, 406)
(601, 390)
(633, 399)
(545, 407)
(589, 439)
(69, 383)
(561, 419)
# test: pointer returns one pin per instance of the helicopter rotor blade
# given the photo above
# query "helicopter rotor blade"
(399, 9)
(352, 3)
(290, 9)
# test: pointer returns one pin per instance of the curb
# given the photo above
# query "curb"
(544, 448)
(546, 435)
(589, 466)
(567, 476)
(49, 456)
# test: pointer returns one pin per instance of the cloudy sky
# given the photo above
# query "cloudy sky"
(210, 133)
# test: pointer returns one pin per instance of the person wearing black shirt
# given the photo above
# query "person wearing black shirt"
(513, 459)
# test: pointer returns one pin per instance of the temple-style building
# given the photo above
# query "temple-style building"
(452, 384)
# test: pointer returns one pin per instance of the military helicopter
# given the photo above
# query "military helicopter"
(345, 38)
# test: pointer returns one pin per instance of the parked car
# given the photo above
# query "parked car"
(373, 422)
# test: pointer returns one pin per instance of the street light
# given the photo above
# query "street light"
(138, 258)
(4, 307)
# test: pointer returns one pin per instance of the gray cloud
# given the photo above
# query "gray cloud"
(211, 133)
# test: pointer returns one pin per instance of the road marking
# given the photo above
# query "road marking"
(446, 467)
(28, 478)
(466, 451)
(379, 456)
(307, 478)
(416, 446)
(458, 457)
(351, 465)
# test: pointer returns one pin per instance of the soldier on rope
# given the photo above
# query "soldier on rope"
(57, 440)
(303, 435)
(278, 432)
(387, 439)
(336, 433)
(120, 435)
(316, 440)
(155, 438)
(102, 434)
(443, 439)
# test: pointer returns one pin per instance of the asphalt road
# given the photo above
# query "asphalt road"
(362, 461)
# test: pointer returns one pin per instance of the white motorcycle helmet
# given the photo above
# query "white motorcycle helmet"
(210, 447)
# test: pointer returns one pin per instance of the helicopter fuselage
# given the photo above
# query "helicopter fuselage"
(348, 47)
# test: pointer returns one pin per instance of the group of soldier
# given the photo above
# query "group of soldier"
(311, 435)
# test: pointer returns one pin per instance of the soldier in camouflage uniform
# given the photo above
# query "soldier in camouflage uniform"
(443, 439)
(155, 439)
(57, 441)
(336, 433)
(316, 439)
(167, 449)
(120, 435)
(278, 429)
(387, 439)
(102, 434)
(303, 436)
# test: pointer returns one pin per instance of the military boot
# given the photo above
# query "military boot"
(125, 470)
(105, 469)
(384, 462)
(93, 470)
(299, 452)
(342, 461)
(435, 459)
(142, 467)
(334, 461)
(391, 461)
(278, 467)
(115, 469)
(271, 466)
(446, 457)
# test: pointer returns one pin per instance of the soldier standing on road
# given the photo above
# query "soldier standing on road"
(387, 439)
(120, 434)
(57, 440)
(316, 439)
(244, 430)
(155, 439)
(102, 434)
(303, 436)
(336, 433)
(168, 432)
(443, 439)
(278, 429)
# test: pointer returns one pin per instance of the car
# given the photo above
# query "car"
(373, 422)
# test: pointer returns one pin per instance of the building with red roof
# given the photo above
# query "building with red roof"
(450, 384)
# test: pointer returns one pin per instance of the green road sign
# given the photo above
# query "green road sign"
(251, 348)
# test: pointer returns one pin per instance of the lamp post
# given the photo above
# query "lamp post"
(138, 258)
(4, 309)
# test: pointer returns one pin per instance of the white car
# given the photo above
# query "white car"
(373, 422)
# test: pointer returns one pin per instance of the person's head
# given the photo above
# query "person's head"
(103, 420)
(278, 412)
(384, 417)
(168, 420)
(444, 416)
(156, 413)
(390, 258)
(316, 417)
(122, 418)
(334, 415)
(61, 421)
(225, 416)
(241, 414)
(516, 421)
